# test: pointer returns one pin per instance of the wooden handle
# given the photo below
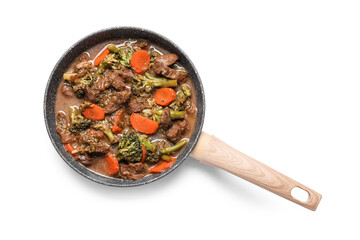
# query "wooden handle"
(212, 151)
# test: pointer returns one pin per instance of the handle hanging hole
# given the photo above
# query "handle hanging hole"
(300, 194)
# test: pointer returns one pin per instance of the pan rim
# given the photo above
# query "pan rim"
(96, 177)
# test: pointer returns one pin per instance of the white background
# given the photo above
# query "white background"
(282, 83)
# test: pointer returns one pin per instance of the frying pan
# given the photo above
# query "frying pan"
(202, 146)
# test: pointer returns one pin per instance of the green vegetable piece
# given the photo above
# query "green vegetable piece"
(186, 90)
(104, 127)
(78, 121)
(177, 114)
(175, 147)
(112, 48)
(130, 149)
(148, 145)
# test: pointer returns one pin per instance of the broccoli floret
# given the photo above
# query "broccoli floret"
(110, 61)
(122, 54)
(78, 121)
(153, 55)
(147, 83)
(152, 157)
(152, 149)
(116, 58)
(183, 99)
(77, 83)
(104, 127)
(125, 54)
(130, 149)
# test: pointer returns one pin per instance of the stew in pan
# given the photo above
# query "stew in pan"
(125, 108)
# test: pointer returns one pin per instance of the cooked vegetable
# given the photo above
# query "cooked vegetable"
(95, 133)
(173, 114)
(186, 90)
(112, 48)
(78, 83)
(162, 166)
(140, 61)
(101, 57)
(116, 129)
(125, 54)
(143, 153)
(122, 54)
(103, 126)
(165, 157)
(148, 82)
(94, 112)
(182, 100)
(143, 124)
(112, 164)
(78, 122)
(147, 143)
(175, 147)
(69, 148)
(70, 76)
(152, 157)
(118, 58)
(130, 149)
(164, 96)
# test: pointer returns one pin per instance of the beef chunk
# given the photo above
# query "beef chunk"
(91, 93)
(67, 90)
(177, 129)
(84, 57)
(115, 100)
(125, 73)
(102, 83)
(122, 96)
(116, 80)
(133, 171)
(83, 68)
(85, 159)
(98, 147)
(165, 120)
(135, 105)
(61, 122)
(141, 45)
(111, 78)
(62, 129)
(85, 65)
(67, 137)
(161, 66)
(91, 142)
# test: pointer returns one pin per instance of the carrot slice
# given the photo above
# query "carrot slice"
(94, 113)
(162, 166)
(140, 61)
(116, 129)
(101, 57)
(165, 96)
(143, 153)
(143, 124)
(112, 164)
(69, 148)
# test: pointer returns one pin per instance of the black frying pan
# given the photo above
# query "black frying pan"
(209, 149)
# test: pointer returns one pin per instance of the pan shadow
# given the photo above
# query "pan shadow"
(235, 187)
